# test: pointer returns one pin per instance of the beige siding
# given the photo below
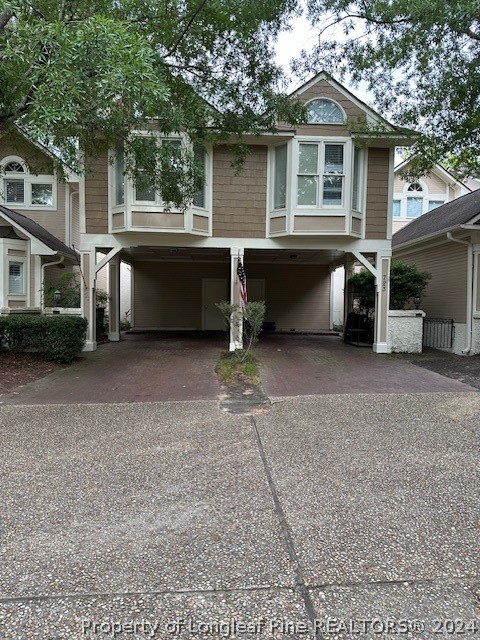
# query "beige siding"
(446, 294)
(377, 193)
(433, 182)
(297, 296)
(170, 294)
(239, 200)
(53, 220)
(96, 194)
(328, 224)
(15, 145)
(322, 89)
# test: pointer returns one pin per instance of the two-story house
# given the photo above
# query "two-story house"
(307, 199)
(39, 223)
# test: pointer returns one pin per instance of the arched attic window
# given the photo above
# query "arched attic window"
(324, 111)
(14, 182)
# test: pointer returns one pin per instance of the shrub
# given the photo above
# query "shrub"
(406, 282)
(68, 285)
(253, 316)
(57, 338)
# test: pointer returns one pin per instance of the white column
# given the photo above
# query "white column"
(88, 299)
(382, 303)
(114, 300)
(37, 281)
(236, 322)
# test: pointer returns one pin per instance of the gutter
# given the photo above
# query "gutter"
(47, 264)
(468, 346)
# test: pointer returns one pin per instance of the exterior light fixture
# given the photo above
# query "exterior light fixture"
(57, 296)
(416, 302)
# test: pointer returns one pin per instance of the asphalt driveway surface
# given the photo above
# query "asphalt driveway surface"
(177, 520)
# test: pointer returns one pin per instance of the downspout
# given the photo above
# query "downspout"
(468, 346)
(47, 264)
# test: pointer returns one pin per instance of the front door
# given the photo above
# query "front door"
(214, 290)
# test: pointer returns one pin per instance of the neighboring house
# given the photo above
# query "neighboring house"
(39, 223)
(307, 199)
(412, 199)
(446, 243)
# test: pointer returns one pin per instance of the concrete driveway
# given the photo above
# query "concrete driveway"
(181, 366)
(176, 520)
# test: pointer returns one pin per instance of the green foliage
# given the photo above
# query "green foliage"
(57, 338)
(406, 282)
(409, 53)
(253, 316)
(69, 286)
(101, 298)
(203, 67)
(125, 324)
(233, 364)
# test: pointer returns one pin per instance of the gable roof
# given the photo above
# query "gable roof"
(34, 230)
(443, 173)
(442, 219)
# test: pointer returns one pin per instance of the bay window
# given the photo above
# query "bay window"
(280, 177)
(321, 174)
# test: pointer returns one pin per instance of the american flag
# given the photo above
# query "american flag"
(242, 283)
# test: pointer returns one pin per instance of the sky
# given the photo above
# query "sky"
(304, 36)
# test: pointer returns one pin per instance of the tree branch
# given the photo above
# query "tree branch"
(186, 28)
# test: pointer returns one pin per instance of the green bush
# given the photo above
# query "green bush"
(57, 338)
(406, 282)
(68, 285)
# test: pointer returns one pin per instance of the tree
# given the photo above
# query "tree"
(85, 74)
(421, 61)
(406, 283)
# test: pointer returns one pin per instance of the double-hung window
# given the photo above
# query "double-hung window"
(321, 175)
(16, 278)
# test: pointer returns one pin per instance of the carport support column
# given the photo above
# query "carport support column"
(88, 299)
(236, 321)
(382, 303)
(114, 300)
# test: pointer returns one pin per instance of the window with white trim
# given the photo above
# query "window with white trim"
(416, 200)
(280, 177)
(23, 189)
(16, 283)
(320, 174)
(324, 111)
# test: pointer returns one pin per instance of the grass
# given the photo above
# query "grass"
(230, 366)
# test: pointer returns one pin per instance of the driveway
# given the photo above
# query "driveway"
(177, 520)
(181, 366)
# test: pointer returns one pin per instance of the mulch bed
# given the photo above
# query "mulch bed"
(17, 369)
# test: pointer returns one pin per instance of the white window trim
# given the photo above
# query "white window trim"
(331, 124)
(130, 203)
(28, 179)
(271, 179)
(425, 195)
(324, 209)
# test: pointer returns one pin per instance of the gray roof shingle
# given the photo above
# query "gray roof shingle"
(449, 215)
(39, 232)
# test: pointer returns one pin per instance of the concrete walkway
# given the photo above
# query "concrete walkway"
(164, 517)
